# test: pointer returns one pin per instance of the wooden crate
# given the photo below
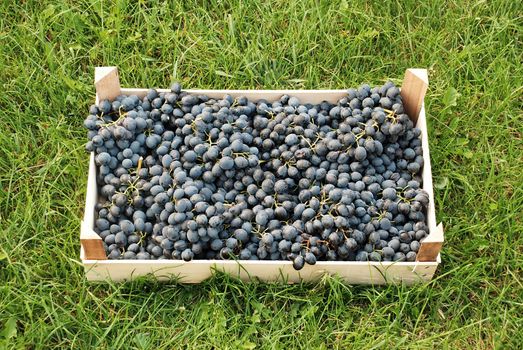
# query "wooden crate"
(99, 268)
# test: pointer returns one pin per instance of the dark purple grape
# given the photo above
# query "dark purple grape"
(310, 258)
(298, 262)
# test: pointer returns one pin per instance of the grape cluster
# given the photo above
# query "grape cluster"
(187, 177)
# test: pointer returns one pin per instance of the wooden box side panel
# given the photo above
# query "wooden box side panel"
(427, 169)
(431, 246)
(92, 245)
(413, 89)
(199, 270)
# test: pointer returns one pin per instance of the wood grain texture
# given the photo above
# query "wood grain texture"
(413, 89)
(197, 271)
(93, 249)
(429, 251)
(107, 83)
(431, 246)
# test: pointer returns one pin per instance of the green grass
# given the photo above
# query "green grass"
(473, 51)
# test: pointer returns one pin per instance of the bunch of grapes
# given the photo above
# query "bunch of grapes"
(187, 177)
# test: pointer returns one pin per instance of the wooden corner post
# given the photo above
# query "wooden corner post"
(431, 245)
(92, 244)
(413, 89)
(107, 83)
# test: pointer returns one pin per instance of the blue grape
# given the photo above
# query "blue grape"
(186, 173)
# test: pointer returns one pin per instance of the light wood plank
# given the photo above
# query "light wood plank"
(198, 270)
(90, 241)
(432, 244)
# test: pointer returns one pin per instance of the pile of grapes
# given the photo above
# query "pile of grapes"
(187, 177)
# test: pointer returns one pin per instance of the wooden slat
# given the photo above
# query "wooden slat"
(107, 84)
(431, 246)
(426, 173)
(91, 242)
(198, 270)
(91, 195)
